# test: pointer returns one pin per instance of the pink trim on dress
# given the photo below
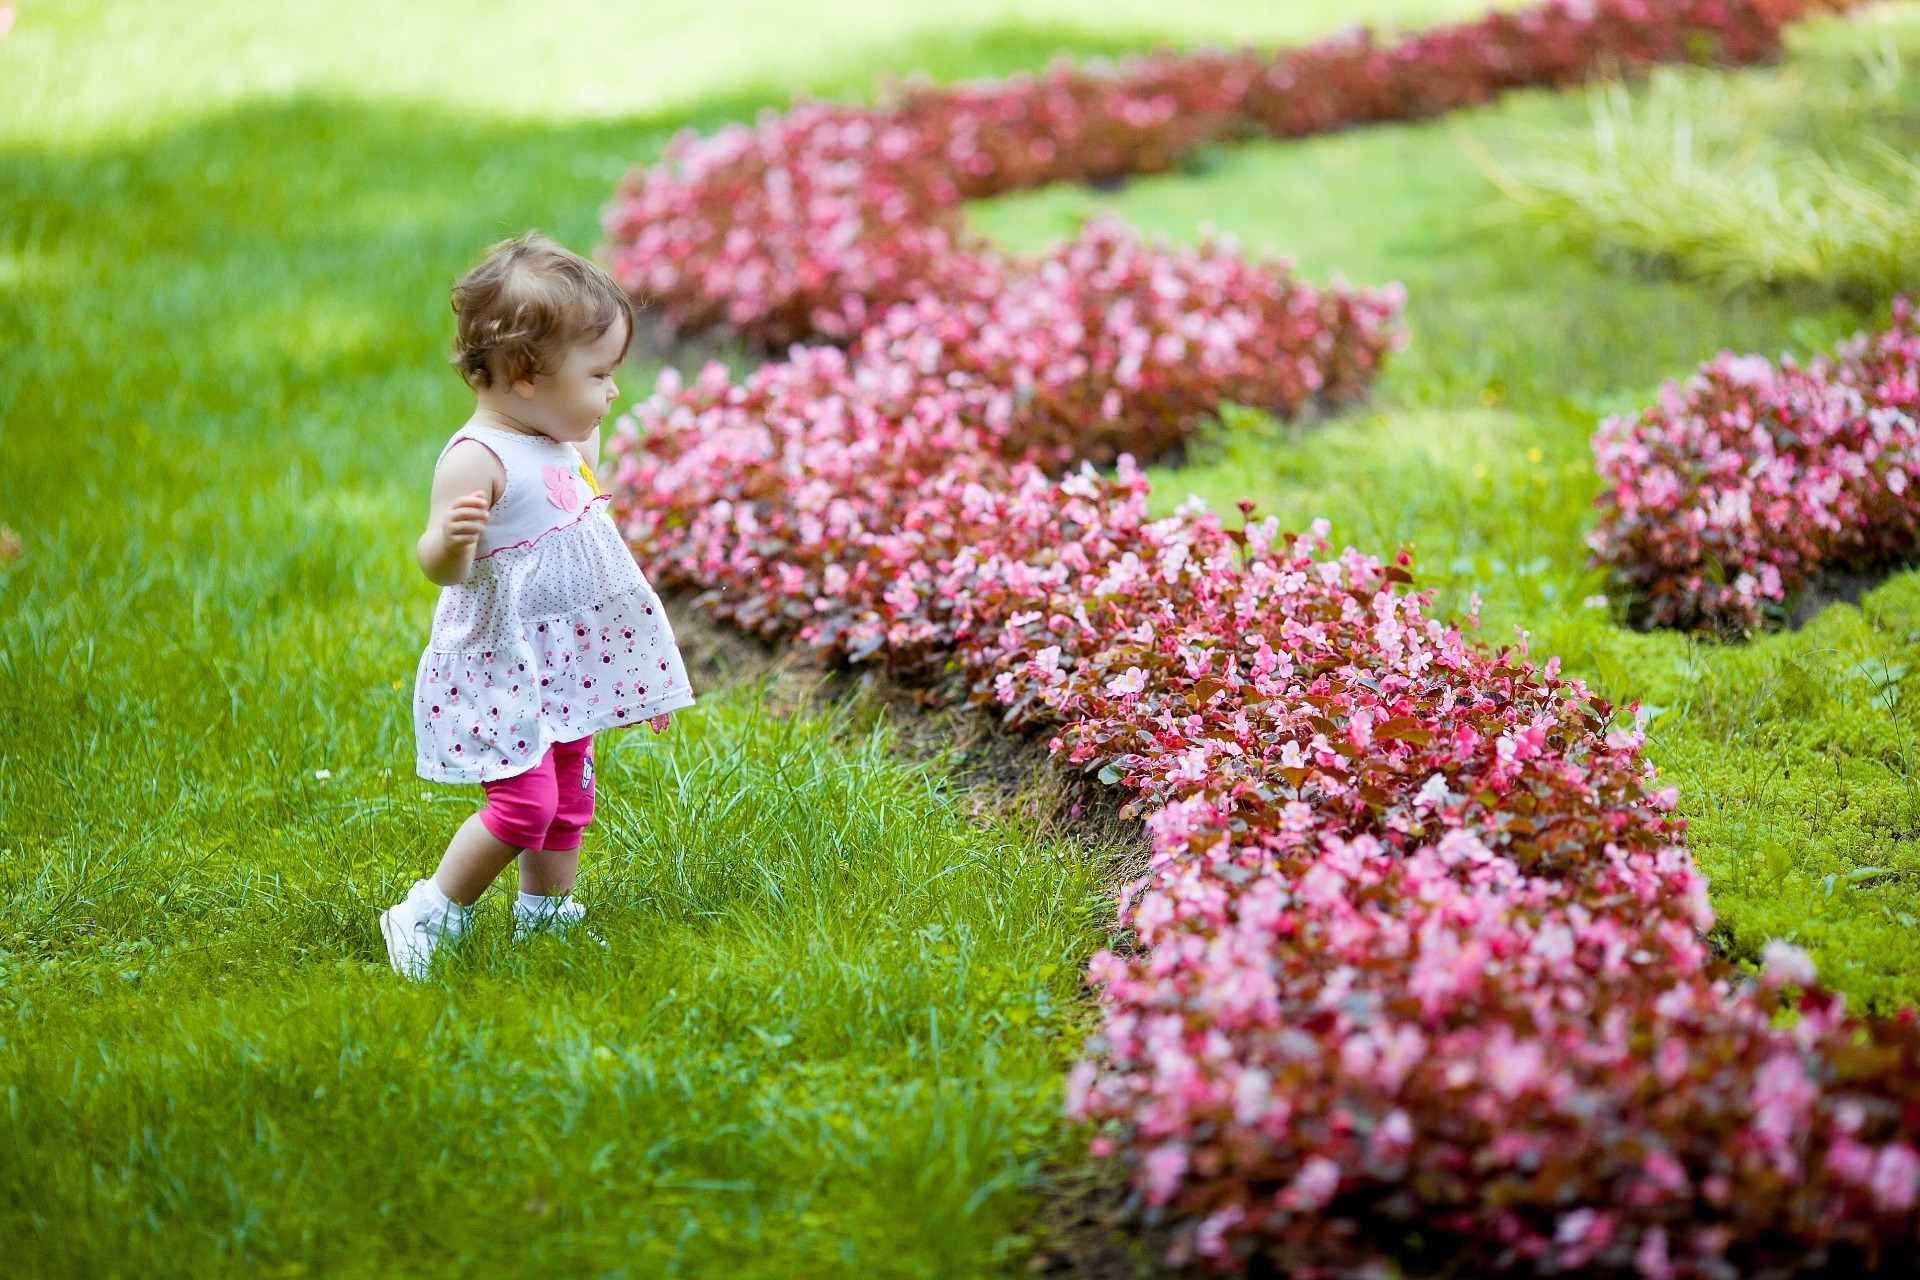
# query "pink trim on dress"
(506, 477)
(584, 513)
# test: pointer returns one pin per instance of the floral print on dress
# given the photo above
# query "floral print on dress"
(547, 641)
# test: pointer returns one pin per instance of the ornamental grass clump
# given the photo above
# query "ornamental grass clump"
(1770, 180)
(1739, 488)
(814, 222)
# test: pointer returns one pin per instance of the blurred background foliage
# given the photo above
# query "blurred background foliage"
(1802, 175)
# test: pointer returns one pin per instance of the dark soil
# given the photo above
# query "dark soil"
(1087, 1227)
(1837, 586)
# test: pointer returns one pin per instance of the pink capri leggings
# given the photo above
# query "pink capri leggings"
(549, 805)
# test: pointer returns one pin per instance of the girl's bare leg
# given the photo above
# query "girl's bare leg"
(548, 873)
(474, 857)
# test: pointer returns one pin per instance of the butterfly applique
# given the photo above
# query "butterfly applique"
(560, 489)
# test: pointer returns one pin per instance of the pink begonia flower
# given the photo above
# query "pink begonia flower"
(1313, 1187)
(1132, 682)
(1079, 1081)
(1896, 1177)
(1574, 1226)
(1432, 793)
(561, 491)
(1786, 965)
(902, 597)
(1163, 1168)
(1252, 1093)
(1651, 1259)
(1665, 1172)
(1210, 1237)
(1394, 1134)
(1850, 1160)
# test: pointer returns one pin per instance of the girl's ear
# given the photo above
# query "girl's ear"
(524, 388)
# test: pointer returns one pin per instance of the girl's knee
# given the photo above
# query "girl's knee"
(521, 809)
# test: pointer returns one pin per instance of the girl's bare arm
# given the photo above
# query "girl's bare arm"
(465, 487)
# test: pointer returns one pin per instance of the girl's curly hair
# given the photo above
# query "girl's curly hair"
(525, 304)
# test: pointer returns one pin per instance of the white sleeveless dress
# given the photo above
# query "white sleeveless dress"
(554, 635)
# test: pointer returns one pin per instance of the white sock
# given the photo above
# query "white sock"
(439, 903)
(539, 903)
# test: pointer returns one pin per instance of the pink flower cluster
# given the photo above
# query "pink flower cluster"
(1112, 346)
(816, 220)
(1421, 945)
(758, 491)
(1742, 485)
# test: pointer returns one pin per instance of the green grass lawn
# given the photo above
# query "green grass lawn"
(826, 1034)
(828, 1031)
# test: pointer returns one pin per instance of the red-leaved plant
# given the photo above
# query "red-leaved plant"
(1744, 484)
(816, 220)
(1421, 945)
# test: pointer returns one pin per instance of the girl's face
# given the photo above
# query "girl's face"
(569, 403)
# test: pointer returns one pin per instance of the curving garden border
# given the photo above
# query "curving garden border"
(1743, 485)
(1421, 944)
(815, 221)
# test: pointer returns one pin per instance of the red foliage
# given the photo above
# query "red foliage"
(1742, 485)
(1421, 945)
(817, 220)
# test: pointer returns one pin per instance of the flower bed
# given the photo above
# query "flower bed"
(1741, 486)
(756, 491)
(1421, 946)
(816, 220)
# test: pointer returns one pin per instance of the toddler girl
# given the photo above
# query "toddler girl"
(545, 631)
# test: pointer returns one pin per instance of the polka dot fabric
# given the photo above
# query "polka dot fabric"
(547, 641)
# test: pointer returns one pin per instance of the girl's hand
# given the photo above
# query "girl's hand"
(466, 519)
(659, 723)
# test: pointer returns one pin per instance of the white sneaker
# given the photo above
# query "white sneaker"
(558, 914)
(415, 927)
